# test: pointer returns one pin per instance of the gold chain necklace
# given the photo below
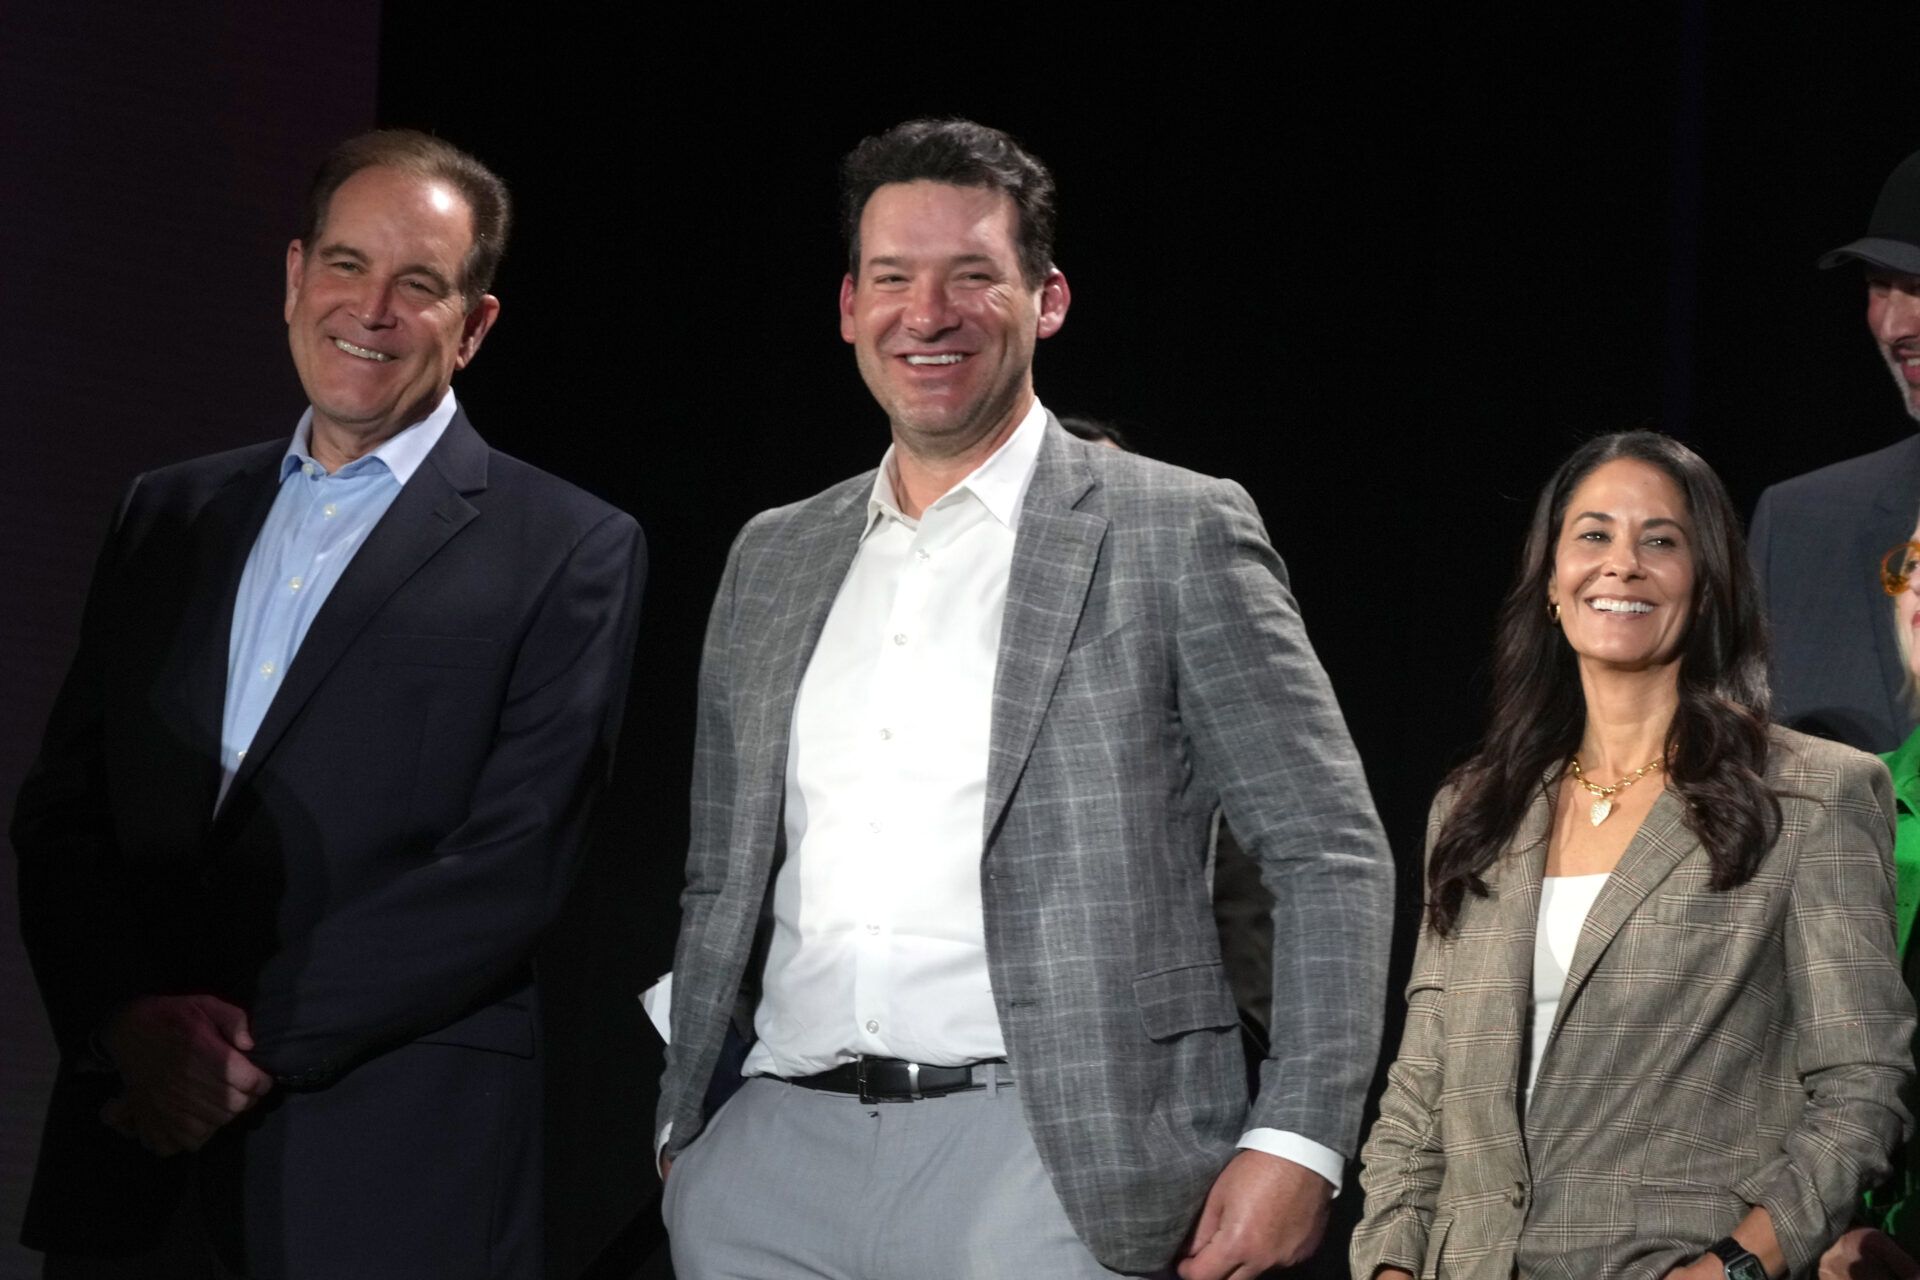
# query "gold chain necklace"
(1603, 796)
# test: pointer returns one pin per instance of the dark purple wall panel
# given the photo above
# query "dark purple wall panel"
(152, 160)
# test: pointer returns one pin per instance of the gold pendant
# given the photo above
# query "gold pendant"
(1601, 808)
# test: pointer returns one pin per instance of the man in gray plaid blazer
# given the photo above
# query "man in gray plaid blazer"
(964, 724)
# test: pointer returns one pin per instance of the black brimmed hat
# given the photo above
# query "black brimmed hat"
(1893, 233)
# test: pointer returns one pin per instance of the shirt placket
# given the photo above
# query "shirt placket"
(886, 734)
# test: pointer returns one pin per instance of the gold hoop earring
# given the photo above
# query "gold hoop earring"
(1553, 612)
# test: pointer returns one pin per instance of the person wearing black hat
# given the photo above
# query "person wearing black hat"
(1812, 534)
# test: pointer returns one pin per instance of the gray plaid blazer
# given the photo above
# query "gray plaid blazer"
(1713, 1051)
(1152, 667)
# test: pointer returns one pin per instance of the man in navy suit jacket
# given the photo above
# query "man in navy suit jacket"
(1815, 539)
(318, 778)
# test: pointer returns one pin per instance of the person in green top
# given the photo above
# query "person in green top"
(1886, 1242)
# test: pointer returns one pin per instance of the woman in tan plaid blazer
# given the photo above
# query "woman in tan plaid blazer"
(1695, 1077)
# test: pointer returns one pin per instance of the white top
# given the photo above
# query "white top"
(1564, 903)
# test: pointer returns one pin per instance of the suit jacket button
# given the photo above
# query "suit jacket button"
(1519, 1196)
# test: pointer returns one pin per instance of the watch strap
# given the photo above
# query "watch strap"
(1740, 1264)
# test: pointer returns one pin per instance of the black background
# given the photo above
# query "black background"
(1383, 271)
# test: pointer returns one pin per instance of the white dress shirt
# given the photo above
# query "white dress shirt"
(879, 940)
(879, 937)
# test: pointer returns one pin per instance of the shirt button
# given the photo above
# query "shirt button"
(293, 584)
(309, 469)
(899, 637)
(266, 668)
(874, 827)
(920, 554)
(873, 929)
(241, 754)
(886, 735)
(872, 1026)
(329, 510)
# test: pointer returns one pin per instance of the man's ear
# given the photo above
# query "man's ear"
(473, 330)
(296, 267)
(1055, 298)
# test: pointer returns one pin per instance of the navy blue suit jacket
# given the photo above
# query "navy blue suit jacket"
(1815, 542)
(406, 822)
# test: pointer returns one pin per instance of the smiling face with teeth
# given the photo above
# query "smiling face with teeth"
(1623, 568)
(941, 319)
(375, 316)
(1893, 314)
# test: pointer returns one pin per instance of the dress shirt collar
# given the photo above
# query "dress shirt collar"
(1000, 483)
(401, 453)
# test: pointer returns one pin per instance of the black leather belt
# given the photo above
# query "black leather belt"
(891, 1080)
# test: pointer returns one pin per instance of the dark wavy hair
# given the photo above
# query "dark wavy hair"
(1717, 743)
(959, 153)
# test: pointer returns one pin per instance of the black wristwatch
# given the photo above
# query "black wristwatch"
(1740, 1264)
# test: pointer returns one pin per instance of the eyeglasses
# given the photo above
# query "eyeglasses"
(1897, 566)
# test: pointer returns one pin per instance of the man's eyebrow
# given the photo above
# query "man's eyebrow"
(337, 250)
(958, 260)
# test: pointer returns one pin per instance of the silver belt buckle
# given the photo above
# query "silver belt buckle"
(913, 1082)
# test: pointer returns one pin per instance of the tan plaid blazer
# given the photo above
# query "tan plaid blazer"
(1712, 1051)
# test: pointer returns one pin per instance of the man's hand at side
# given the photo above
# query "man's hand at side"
(1262, 1212)
(184, 1070)
(1866, 1254)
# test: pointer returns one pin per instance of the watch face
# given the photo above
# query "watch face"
(1740, 1264)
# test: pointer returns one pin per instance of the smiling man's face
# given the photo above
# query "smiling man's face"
(375, 314)
(1893, 313)
(941, 320)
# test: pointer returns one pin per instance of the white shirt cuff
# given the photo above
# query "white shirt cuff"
(1305, 1152)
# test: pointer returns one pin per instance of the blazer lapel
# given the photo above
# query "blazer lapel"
(1054, 554)
(1515, 888)
(818, 561)
(430, 510)
(223, 537)
(1662, 841)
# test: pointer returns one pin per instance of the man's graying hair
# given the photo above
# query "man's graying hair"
(962, 154)
(423, 156)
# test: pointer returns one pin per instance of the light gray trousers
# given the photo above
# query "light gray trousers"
(786, 1183)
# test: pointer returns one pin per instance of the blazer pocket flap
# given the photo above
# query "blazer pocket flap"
(1190, 997)
(436, 651)
(501, 1028)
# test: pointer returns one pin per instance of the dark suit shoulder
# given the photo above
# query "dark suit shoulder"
(1853, 481)
(547, 500)
(199, 478)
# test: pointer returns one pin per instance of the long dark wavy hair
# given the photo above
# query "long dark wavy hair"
(1717, 743)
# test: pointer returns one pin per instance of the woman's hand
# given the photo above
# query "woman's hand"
(1866, 1254)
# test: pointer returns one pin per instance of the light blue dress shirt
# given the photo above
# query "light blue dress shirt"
(317, 523)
